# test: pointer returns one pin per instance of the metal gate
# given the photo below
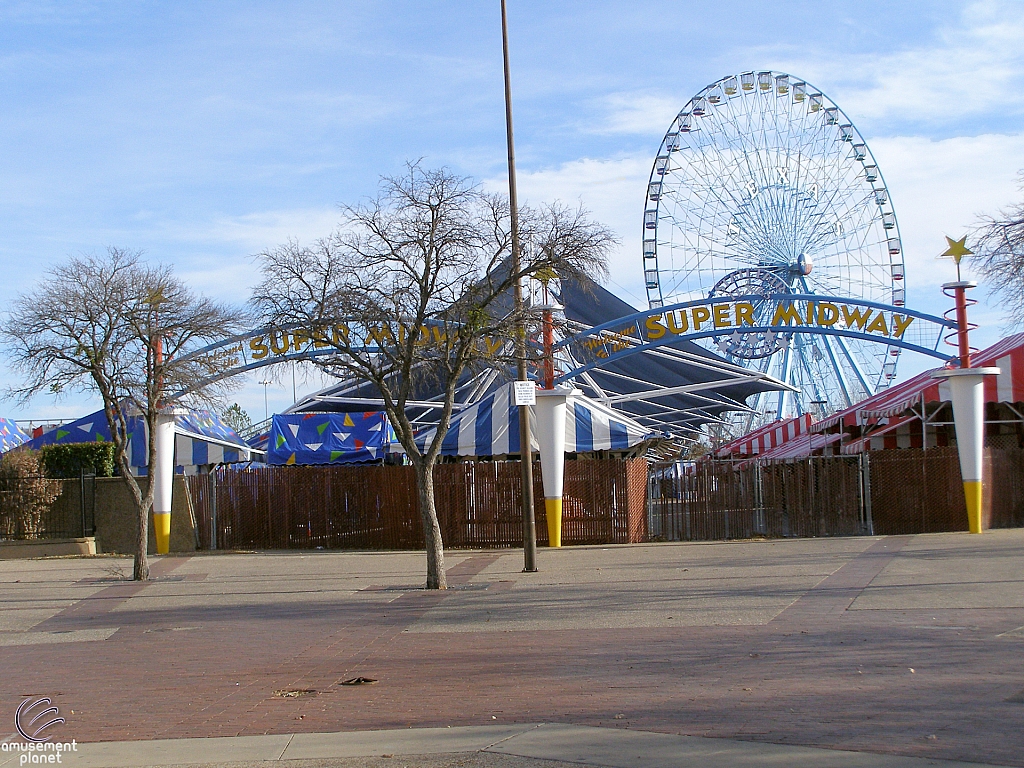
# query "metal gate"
(713, 500)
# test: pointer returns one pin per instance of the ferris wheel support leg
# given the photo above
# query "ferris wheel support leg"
(861, 378)
(844, 385)
(787, 373)
(761, 399)
(818, 394)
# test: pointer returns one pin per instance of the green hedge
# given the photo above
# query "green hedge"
(69, 459)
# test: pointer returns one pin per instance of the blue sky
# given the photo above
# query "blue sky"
(204, 132)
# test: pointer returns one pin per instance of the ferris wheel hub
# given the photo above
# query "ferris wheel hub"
(803, 266)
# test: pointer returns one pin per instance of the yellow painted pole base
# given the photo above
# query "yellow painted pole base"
(972, 493)
(553, 512)
(162, 529)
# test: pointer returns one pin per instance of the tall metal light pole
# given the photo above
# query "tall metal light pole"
(526, 455)
(266, 401)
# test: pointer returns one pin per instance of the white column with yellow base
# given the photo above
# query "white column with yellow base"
(163, 481)
(967, 390)
(550, 410)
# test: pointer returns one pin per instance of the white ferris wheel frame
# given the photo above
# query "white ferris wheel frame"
(761, 170)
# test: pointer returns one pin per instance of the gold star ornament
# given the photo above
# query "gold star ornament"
(957, 249)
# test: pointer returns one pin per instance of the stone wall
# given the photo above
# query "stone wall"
(115, 515)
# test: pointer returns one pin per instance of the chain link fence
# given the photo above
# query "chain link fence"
(715, 500)
(37, 507)
(893, 492)
(921, 491)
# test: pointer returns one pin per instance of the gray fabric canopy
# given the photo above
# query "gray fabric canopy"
(631, 384)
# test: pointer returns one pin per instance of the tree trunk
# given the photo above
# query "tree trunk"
(140, 569)
(140, 572)
(436, 578)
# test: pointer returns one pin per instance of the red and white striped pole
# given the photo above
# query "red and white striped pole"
(551, 414)
(967, 391)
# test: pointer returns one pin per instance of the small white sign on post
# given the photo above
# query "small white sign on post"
(525, 392)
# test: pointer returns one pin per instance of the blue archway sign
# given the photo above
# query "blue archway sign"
(772, 319)
(733, 317)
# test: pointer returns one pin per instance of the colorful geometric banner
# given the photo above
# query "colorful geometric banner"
(201, 438)
(328, 438)
(11, 435)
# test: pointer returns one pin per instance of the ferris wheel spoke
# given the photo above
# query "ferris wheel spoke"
(786, 376)
(816, 383)
(844, 385)
(855, 365)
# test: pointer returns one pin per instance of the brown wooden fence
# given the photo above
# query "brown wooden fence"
(917, 491)
(921, 491)
(1004, 494)
(376, 507)
(904, 491)
(720, 500)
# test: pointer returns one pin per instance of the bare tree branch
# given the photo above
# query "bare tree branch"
(114, 325)
(998, 243)
(419, 282)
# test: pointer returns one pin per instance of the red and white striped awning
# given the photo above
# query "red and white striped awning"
(801, 446)
(766, 438)
(895, 403)
(880, 432)
(1008, 386)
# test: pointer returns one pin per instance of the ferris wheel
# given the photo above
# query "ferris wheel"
(763, 186)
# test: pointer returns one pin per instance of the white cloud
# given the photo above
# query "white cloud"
(264, 229)
(972, 67)
(217, 258)
(45, 410)
(636, 113)
(613, 191)
(939, 187)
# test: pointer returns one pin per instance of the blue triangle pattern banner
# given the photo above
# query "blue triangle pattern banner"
(201, 438)
(11, 435)
(208, 424)
(93, 429)
(328, 438)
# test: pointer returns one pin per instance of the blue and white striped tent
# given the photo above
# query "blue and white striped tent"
(200, 438)
(491, 428)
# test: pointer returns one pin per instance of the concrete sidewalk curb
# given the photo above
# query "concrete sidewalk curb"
(605, 747)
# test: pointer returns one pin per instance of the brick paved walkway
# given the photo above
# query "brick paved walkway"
(902, 645)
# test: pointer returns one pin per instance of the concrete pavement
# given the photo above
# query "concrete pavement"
(544, 745)
(873, 649)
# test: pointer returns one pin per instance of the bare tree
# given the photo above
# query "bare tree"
(998, 242)
(114, 325)
(415, 288)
